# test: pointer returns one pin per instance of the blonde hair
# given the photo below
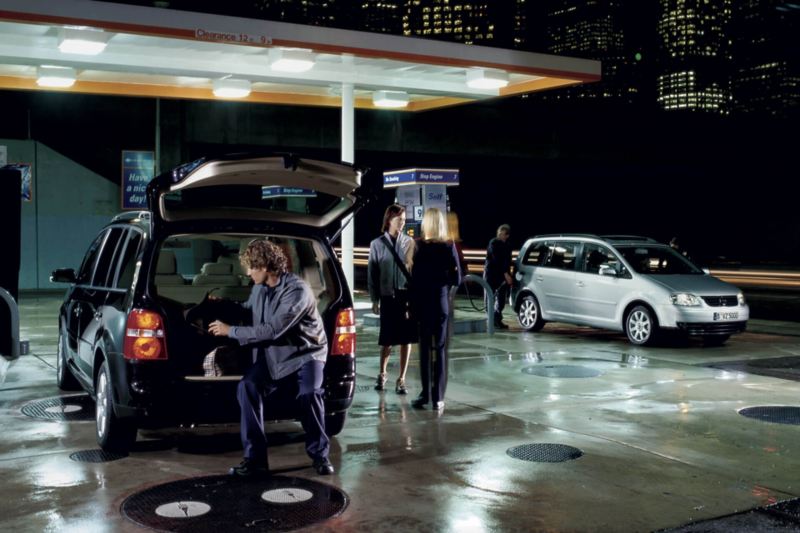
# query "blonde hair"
(453, 233)
(433, 225)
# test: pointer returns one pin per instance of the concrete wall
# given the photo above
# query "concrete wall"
(68, 207)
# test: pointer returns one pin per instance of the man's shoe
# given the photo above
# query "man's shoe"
(250, 468)
(419, 403)
(380, 382)
(323, 467)
(500, 325)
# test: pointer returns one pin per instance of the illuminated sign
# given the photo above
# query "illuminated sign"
(420, 176)
(138, 169)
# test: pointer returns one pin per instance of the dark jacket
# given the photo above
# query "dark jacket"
(435, 270)
(498, 262)
(287, 327)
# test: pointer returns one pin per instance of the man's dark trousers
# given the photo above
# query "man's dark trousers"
(306, 383)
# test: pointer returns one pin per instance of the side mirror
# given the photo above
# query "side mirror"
(608, 270)
(63, 275)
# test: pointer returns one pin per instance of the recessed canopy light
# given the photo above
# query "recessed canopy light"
(291, 60)
(231, 88)
(86, 42)
(390, 98)
(48, 76)
(486, 78)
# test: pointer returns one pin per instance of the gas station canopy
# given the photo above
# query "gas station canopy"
(104, 48)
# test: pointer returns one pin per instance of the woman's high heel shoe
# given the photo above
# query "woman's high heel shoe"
(400, 387)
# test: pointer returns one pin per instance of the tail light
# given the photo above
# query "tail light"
(344, 336)
(144, 336)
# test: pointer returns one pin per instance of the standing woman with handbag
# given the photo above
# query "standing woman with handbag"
(388, 281)
(436, 268)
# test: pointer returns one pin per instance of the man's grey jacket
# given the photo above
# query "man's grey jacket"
(287, 327)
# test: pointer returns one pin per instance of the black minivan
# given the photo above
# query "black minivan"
(133, 325)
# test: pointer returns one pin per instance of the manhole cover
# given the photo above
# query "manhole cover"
(70, 408)
(287, 495)
(778, 414)
(562, 371)
(222, 503)
(96, 456)
(182, 509)
(544, 453)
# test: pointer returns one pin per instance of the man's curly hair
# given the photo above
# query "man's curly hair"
(261, 253)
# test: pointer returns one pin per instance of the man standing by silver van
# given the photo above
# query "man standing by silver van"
(497, 271)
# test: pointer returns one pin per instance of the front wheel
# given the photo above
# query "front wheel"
(334, 423)
(641, 326)
(64, 378)
(529, 314)
(114, 434)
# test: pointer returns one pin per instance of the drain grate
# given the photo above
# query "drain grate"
(562, 371)
(544, 453)
(69, 408)
(222, 503)
(96, 456)
(778, 414)
(363, 388)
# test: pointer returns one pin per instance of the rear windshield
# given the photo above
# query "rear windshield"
(251, 199)
(657, 260)
(190, 266)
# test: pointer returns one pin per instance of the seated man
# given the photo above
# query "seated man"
(289, 349)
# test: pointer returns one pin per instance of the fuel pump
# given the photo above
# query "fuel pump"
(418, 189)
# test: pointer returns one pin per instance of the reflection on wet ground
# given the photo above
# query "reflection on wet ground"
(662, 439)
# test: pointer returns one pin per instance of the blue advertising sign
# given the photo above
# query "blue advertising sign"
(138, 169)
(286, 192)
(420, 176)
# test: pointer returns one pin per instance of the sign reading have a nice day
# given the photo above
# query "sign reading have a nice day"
(138, 168)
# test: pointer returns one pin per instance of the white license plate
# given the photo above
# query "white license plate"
(726, 316)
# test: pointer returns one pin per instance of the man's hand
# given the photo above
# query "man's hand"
(376, 308)
(509, 280)
(220, 329)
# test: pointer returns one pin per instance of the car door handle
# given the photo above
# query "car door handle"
(539, 278)
(580, 284)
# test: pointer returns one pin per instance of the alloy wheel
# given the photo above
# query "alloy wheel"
(639, 326)
(101, 406)
(528, 313)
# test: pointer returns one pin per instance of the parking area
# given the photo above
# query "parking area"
(628, 439)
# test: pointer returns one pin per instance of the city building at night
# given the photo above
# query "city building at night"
(601, 30)
(694, 53)
(765, 76)
(481, 22)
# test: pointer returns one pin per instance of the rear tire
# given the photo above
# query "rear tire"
(114, 434)
(641, 326)
(529, 314)
(334, 423)
(64, 378)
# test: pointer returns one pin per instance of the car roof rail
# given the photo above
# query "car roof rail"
(566, 235)
(637, 238)
(129, 216)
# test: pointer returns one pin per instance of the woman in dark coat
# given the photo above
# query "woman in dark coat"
(435, 269)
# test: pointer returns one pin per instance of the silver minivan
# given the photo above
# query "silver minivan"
(622, 283)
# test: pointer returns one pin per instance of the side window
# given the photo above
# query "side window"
(595, 255)
(127, 263)
(87, 267)
(104, 261)
(536, 254)
(562, 255)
